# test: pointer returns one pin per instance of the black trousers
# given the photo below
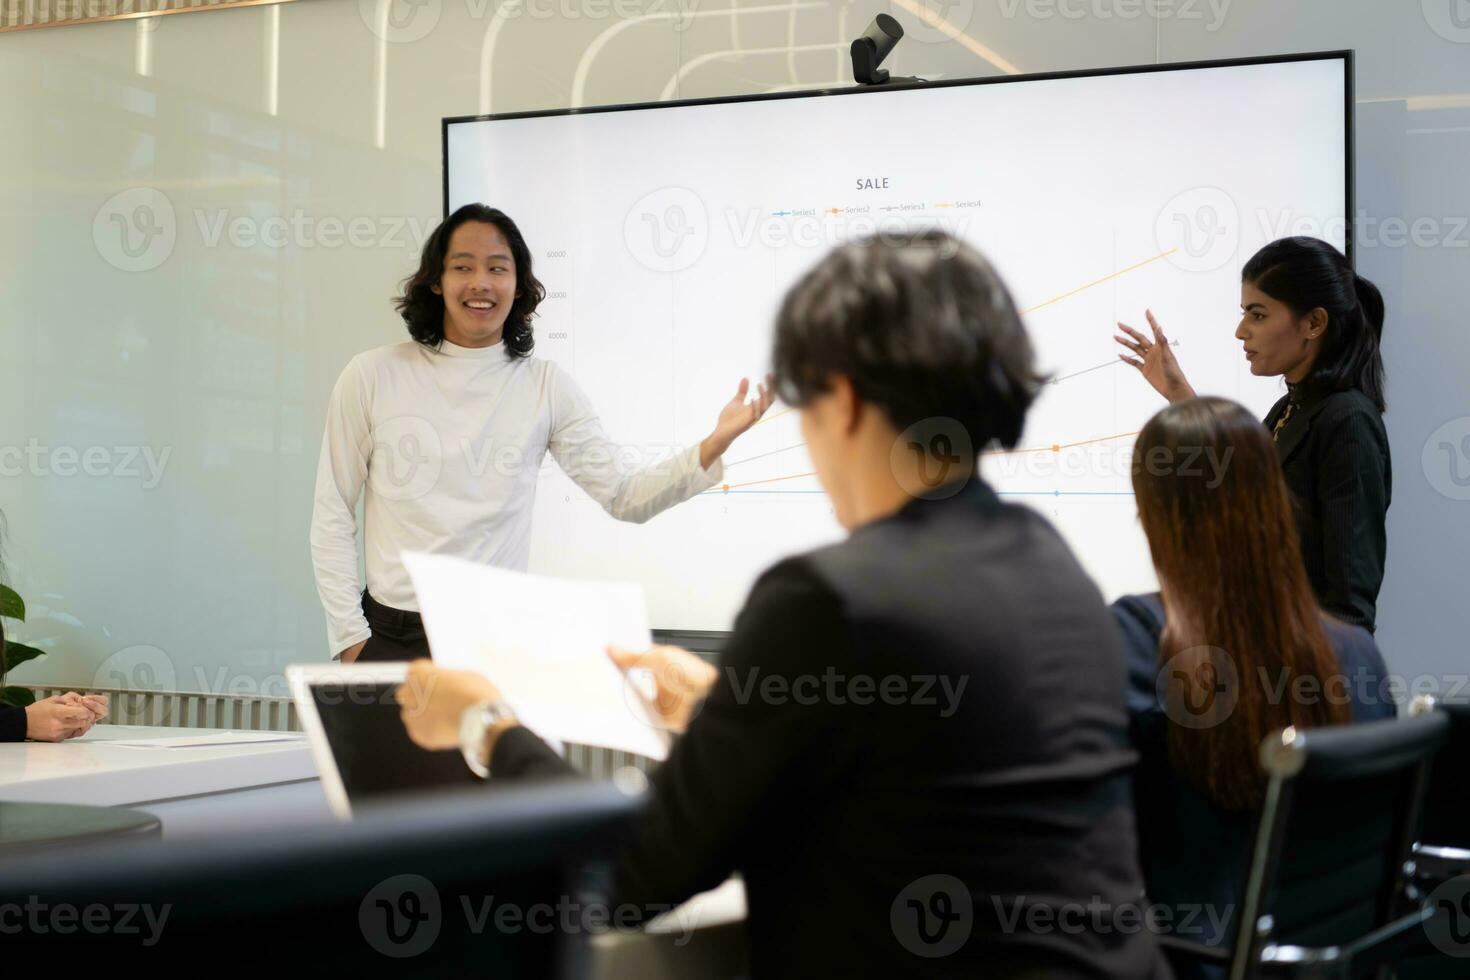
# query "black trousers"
(397, 633)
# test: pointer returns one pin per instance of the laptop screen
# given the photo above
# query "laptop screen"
(375, 757)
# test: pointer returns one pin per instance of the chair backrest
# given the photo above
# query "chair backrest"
(1335, 833)
(1446, 822)
(421, 884)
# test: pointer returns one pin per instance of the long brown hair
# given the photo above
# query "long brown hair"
(1218, 518)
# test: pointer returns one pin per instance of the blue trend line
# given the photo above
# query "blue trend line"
(1065, 493)
(1003, 493)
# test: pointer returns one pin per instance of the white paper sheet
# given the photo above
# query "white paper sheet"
(215, 739)
(543, 642)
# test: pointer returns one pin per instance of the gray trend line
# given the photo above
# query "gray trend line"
(751, 459)
(1085, 370)
(1076, 374)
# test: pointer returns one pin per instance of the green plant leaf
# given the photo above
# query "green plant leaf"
(12, 605)
(18, 696)
(18, 653)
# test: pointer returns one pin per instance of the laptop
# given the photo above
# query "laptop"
(361, 749)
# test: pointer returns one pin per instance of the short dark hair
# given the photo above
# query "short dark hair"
(423, 309)
(1308, 273)
(923, 328)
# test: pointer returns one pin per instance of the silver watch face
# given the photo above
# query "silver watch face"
(477, 720)
(495, 712)
(473, 725)
(472, 721)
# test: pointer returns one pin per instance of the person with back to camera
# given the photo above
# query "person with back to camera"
(984, 801)
(1233, 647)
(1309, 318)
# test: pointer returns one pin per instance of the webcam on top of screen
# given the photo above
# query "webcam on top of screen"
(868, 52)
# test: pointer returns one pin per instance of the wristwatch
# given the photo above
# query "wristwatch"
(474, 725)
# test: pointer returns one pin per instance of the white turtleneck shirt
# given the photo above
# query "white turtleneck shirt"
(444, 445)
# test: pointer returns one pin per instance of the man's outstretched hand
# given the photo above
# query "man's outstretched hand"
(736, 417)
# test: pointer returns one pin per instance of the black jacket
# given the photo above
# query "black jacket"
(1334, 453)
(12, 723)
(974, 728)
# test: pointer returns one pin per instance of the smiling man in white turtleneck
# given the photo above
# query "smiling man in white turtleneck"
(443, 436)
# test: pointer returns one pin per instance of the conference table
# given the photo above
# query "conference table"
(30, 827)
(195, 791)
(204, 790)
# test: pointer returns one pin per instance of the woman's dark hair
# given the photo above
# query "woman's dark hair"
(923, 328)
(1217, 514)
(1308, 273)
(423, 309)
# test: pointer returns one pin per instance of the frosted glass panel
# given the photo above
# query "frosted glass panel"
(206, 215)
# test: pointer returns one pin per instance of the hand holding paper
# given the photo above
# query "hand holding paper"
(433, 700)
(680, 681)
(543, 643)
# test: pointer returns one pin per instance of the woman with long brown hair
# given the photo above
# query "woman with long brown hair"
(1233, 647)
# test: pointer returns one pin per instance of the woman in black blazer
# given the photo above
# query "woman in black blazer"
(1310, 319)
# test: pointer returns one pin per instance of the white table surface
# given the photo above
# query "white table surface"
(88, 770)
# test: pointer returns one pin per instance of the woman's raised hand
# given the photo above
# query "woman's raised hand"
(1155, 360)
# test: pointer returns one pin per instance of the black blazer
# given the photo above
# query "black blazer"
(1334, 453)
(1193, 853)
(997, 756)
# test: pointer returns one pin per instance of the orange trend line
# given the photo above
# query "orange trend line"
(1058, 447)
(994, 452)
(1054, 299)
(1055, 448)
(1099, 282)
(769, 418)
(753, 483)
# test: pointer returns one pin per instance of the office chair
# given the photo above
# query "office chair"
(1442, 850)
(1328, 894)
